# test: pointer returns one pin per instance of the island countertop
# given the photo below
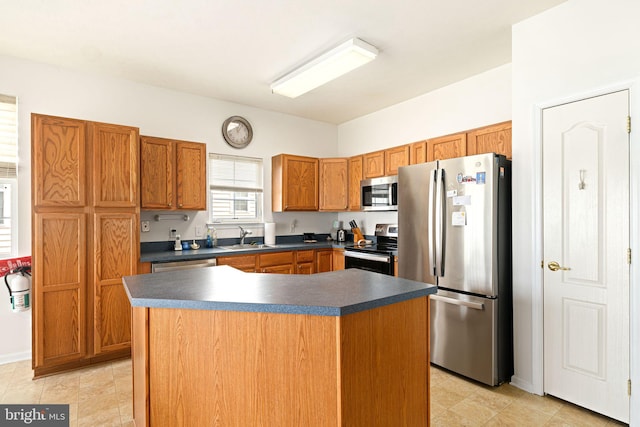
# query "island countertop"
(334, 293)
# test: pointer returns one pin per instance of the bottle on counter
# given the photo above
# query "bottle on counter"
(212, 237)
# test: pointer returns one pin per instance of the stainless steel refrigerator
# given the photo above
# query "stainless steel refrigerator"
(454, 230)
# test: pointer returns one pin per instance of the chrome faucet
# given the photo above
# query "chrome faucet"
(243, 234)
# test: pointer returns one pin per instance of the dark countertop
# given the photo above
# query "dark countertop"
(204, 253)
(334, 293)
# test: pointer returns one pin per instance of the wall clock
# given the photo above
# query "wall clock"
(237, 132)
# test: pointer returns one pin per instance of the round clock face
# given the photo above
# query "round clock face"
(237, 132)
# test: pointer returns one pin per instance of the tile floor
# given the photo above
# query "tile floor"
(102, 396)
(459, 402)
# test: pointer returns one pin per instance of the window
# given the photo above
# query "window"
(8, 175)
(235, 184)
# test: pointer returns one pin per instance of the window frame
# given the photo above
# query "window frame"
(13, 217)
(257, 189)
(9, 166)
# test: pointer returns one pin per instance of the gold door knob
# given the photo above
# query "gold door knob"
(554, 266)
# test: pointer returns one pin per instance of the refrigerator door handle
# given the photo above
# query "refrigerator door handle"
(469, 304)
(430, 219)
(440, 238)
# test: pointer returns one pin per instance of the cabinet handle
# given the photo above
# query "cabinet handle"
(180, 205)
(169, 204)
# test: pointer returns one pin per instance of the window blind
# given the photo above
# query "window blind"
(8, 136)
(236, 187)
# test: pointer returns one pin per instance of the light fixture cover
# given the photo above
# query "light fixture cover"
(328, 66)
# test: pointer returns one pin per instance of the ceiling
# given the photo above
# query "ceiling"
(233, 49)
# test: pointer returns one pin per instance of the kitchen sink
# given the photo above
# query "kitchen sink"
(248, 247)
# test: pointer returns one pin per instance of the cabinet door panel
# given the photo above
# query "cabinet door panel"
(305, 268)
(245, 263)
(395, 158)
(191, 176)
(323, 260)
(418, 152)
(276, 258)
(373, 166)
(115, 165)
(116, 254)
(447, 147)
(355, 176)
(333, 184)
(490, 139)
(59, 286)
(302, 184)
(58, 161)
(337, 260)
(156, 173)
(62, 315)
(278, 269)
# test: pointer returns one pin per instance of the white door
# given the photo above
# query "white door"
(586, 232)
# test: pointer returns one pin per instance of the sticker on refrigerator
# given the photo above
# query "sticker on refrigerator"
(465, 179)
(452, 193)
(461, 200)
(481, 177)
(458, 219)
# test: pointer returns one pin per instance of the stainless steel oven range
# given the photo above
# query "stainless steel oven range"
(377, 257)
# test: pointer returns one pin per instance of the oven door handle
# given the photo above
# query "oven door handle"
(366, 256)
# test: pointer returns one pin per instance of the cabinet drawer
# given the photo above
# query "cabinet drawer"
(276, 258)
(241, 262)
(305, 256)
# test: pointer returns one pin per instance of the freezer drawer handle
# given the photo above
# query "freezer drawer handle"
(474, 305)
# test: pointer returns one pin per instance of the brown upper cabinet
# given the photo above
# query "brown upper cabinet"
(447, 147)
(418, 152)
(333, 184)
(311, 184)
(115, 165)
(173, 174)
(394, 158)
(59, 161)
(490, 139)
(355, 176)
(373, 166)
(294, 183)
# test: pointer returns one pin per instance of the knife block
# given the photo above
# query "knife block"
(357, 234)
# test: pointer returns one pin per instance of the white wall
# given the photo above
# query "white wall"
(573, 49)
(478, 101)
(49, 90)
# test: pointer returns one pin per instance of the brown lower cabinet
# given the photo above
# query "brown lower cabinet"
(279, 369)
(307, 261)
(337, 261)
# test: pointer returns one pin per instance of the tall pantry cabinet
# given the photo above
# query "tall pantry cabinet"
(85, 238)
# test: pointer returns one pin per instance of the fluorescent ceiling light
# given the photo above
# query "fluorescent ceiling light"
(332, 64)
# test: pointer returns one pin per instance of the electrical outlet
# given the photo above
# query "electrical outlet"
(172, 233)
(198, 231)
(292, 227)
(146, 226)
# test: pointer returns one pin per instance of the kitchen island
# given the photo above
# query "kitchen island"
(216, 346)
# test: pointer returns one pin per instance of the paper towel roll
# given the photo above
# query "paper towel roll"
(269, 233)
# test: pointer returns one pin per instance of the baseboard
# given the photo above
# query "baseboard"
(522, 385)
(14, 357)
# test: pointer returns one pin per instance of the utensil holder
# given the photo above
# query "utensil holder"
(357, 234)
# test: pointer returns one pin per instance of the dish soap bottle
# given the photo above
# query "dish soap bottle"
(212, 238)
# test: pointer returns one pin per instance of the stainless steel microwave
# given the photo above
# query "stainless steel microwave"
(379, 194)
